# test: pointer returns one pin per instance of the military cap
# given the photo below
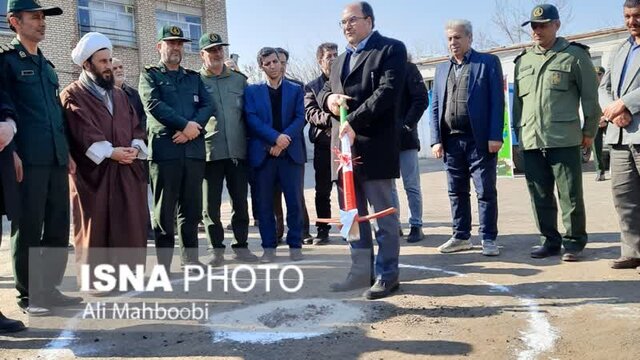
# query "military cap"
(543, 13)
(210, 40)
(171, 32)
(31, 5)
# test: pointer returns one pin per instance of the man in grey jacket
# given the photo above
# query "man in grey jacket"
(619, 96)
(226, 145)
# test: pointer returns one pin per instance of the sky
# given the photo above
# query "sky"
(301, 25)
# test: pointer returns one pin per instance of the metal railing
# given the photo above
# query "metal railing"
(117, 36)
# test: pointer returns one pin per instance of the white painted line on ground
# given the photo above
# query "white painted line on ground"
(539, 337)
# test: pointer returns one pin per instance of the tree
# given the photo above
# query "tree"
(510, 14)
(298, 69)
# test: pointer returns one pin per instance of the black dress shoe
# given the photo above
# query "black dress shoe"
(268, 256)
(415, 234)
(245, 255)
(295, 254)
(9, 325)
(56, 298)
(322, 238)
(541, 252)
(600, 177)
(381, 289)
(352, 282)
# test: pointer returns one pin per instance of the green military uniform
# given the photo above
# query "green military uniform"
(171, 99)
(29, 88)
(550, 86)
(226, 144)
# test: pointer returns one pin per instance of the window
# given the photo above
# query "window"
(112, 18)
(191, 25)
(4, 24)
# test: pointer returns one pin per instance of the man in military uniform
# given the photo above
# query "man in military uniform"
(29, 89)
(178, 108)
(553, 78)
(226, 145)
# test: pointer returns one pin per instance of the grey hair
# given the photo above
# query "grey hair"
(466, 24)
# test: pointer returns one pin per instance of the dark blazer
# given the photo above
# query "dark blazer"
(318, 119)
(485, 102)
(414, 102)
(257, 108)
(136, 102)
(375, 84)
(8, 185)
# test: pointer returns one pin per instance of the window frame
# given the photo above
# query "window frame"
(181, 19)
(118, 36)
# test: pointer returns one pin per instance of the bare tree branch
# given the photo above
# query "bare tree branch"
(509, 15)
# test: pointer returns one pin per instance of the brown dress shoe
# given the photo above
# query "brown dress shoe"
(625, 263)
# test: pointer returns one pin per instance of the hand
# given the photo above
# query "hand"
(275, 151)
(587, 141)
(437, 151)
(614, 109)
(180, 138)
(6, 134)
(192, 130)
(334, 101)
(494, 146)
(623, 120)
(346, 129)
(122, 155)
(283, 141)
(603, 122)
(17, 164)
(71, 166)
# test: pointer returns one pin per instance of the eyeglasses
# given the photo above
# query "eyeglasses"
(350, 21)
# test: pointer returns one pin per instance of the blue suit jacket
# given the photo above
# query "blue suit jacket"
(485, 103)
(262, 135)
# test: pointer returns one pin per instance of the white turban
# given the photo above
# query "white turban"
(88, 45)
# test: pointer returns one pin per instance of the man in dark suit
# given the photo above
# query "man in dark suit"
(275, 117)
(10, 175)
(466, 128)
(368, 78)
(320, 137)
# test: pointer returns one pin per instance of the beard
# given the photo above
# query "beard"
(173, 58)
(105, 79)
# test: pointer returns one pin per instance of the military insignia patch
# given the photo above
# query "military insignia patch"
(537, 12)
(556, 78)
(175, 31)
(214, 38)
(22, 54)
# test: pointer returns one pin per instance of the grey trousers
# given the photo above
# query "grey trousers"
(625, 185)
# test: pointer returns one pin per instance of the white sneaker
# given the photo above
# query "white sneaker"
(489, 248)
(454, 245)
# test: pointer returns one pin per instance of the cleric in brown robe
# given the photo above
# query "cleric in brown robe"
(109, 190)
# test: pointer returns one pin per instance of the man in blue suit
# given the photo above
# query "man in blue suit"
(466, 128)
(275, 118)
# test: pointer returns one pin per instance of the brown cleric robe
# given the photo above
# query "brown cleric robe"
(109, 199)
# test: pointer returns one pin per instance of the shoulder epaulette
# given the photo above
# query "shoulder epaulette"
(6, 48)
(151, 68)
(240, 73)
(585, 47)
(524, 51)
(50, 63)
